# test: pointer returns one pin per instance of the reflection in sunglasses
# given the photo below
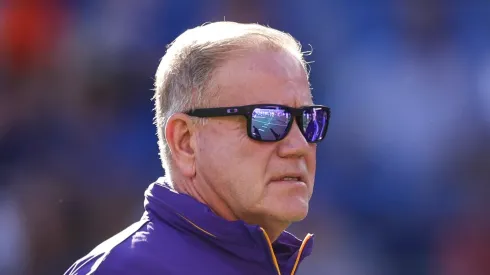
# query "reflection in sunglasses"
(270, 113)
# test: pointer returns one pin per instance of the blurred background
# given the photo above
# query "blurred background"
(403, 181)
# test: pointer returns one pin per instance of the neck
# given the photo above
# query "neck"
(204, 194)
(274, 230)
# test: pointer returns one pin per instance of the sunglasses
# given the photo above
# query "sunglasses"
(272, 122)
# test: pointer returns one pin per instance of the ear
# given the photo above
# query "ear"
(179, 133)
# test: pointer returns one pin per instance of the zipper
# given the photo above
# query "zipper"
(274, 259)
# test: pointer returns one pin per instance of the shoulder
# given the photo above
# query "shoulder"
(135, 250)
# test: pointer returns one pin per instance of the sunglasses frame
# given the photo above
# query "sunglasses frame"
(247, 110)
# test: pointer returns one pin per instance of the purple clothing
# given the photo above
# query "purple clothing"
(179, 235)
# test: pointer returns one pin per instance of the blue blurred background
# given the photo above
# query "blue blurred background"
(403, 181)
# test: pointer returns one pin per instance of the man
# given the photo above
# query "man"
(233, 113)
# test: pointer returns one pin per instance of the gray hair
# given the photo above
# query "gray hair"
(184, 76)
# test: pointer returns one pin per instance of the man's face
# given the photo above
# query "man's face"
(241, 171)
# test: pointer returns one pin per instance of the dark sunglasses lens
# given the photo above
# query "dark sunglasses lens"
(315, 122)
(269, 124)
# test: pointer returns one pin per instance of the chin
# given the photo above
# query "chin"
(299, 216)
(293, 212)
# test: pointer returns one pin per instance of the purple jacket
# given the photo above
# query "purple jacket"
(179, 235)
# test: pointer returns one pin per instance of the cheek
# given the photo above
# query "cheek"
(234, 163)
(311, 166)
(250, 164)
(311, 161)
(252, 160)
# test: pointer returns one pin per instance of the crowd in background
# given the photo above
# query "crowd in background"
(403, 180)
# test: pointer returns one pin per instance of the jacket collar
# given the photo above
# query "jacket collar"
(185, 212)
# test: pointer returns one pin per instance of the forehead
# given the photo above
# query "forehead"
(262, 77)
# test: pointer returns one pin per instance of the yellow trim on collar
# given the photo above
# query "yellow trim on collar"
(302, 247)
(196, 226)
(274, 259)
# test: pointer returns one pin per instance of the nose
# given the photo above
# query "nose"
(294, 145)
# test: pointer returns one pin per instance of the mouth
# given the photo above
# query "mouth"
(292, 178)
